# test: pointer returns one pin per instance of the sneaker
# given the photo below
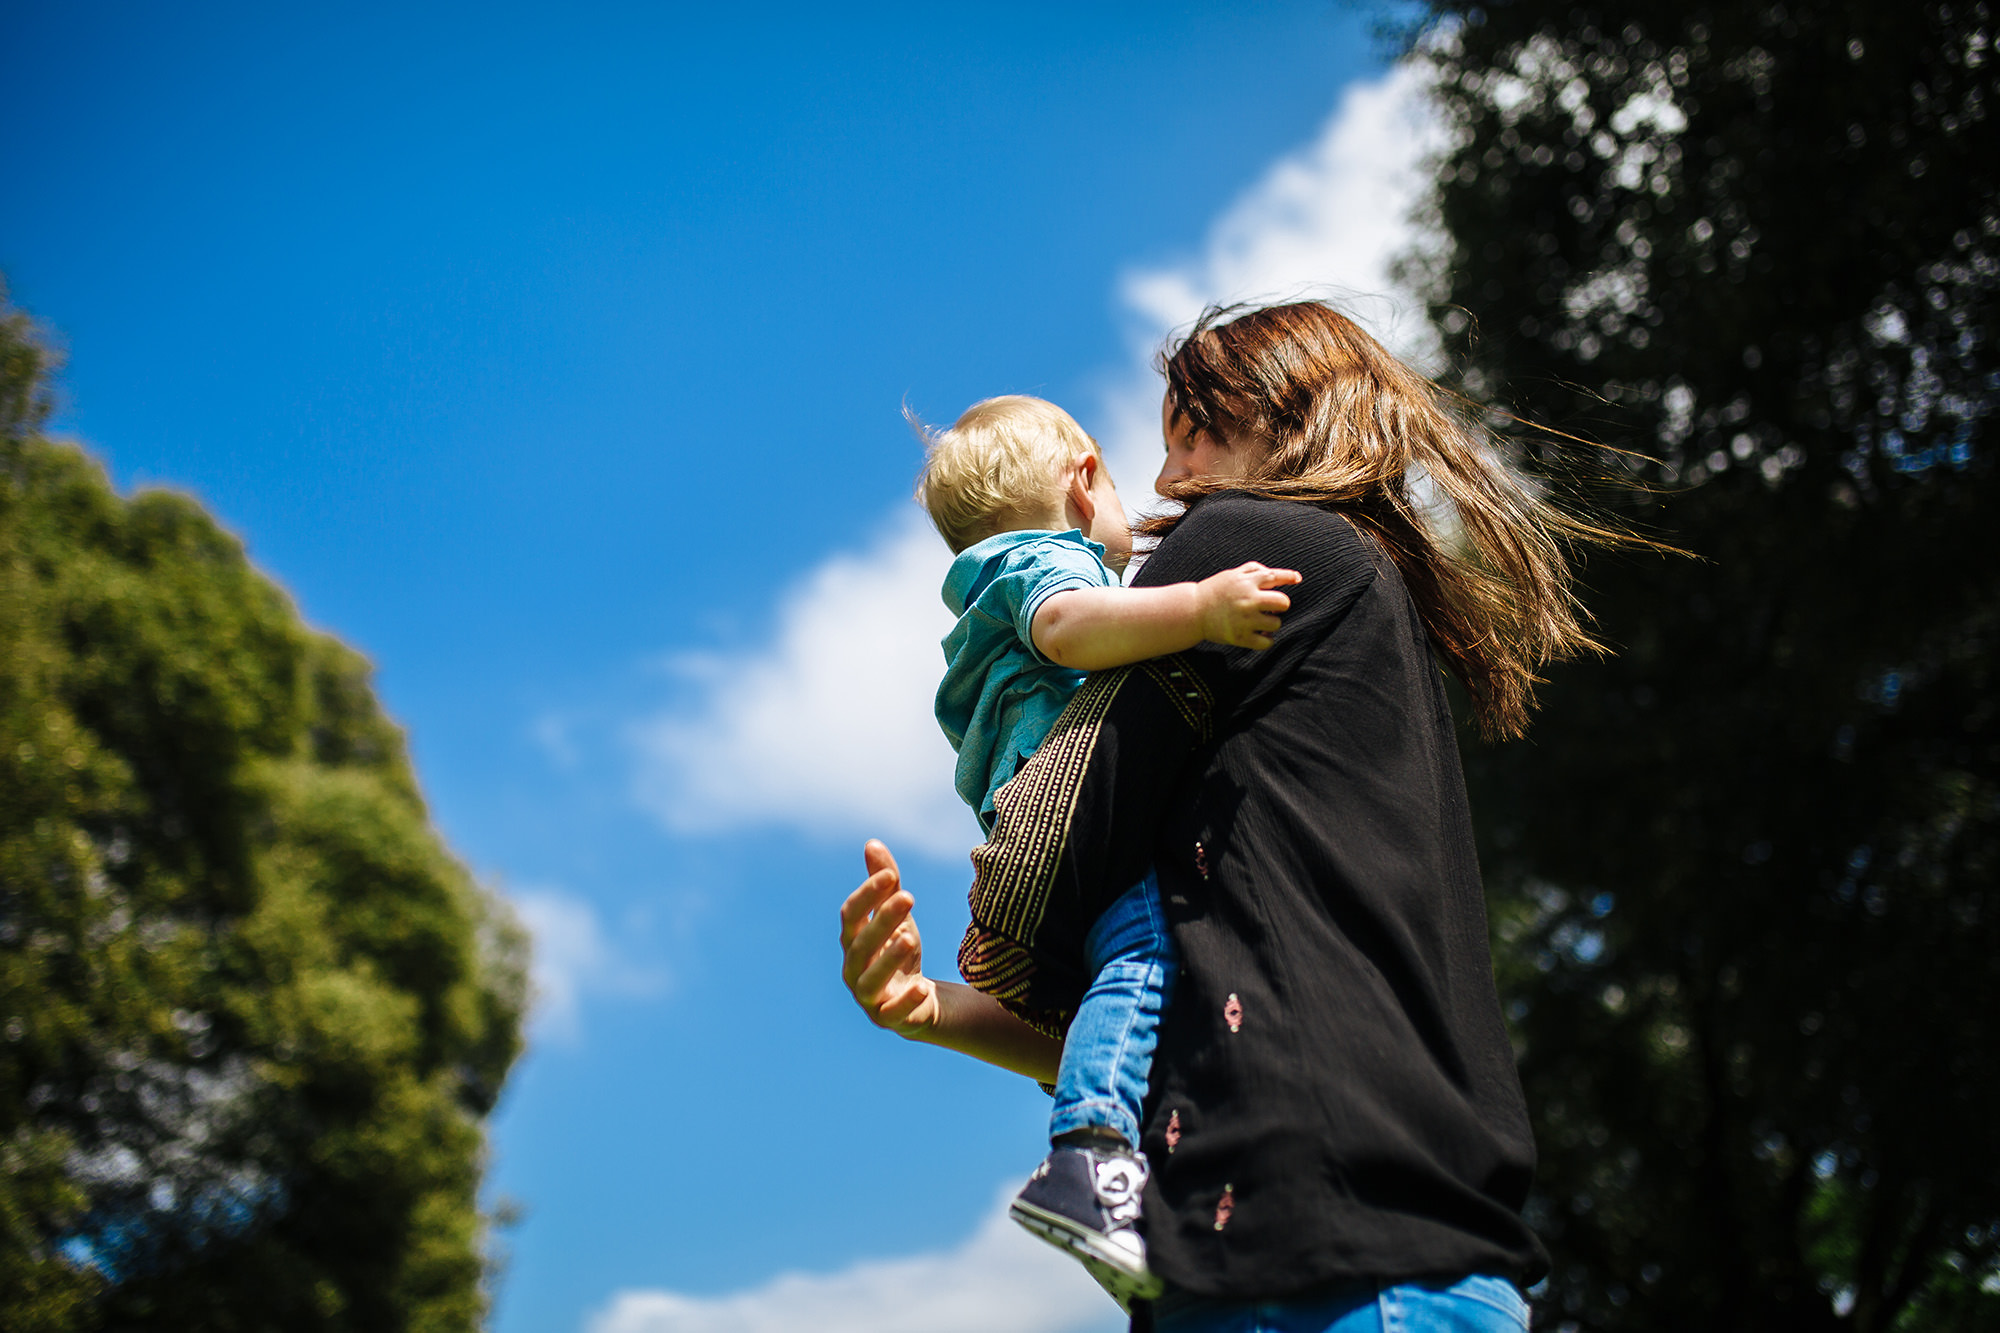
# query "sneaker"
(1085, 1201)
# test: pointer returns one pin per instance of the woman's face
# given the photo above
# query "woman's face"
(1191, 456)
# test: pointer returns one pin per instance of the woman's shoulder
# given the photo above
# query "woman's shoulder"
(1229, 527)
(1247, 511)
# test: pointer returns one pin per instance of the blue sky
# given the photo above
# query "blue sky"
(553, 356)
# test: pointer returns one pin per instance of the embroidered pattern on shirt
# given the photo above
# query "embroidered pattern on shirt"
(1189, 692)
(1015, 870)
(1173, 1130)
(1225, 1207)
(1232, 1012)
(1031, 818)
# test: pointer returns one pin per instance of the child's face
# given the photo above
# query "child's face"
(1191, 457)
(1108, 525)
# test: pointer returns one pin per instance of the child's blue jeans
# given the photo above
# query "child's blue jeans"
(1108, 1054)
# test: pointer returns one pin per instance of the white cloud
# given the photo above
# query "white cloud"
(571, 959)
(1327, 220)
(829, 726)
(1001, 1280)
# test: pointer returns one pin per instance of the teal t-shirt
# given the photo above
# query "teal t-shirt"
(999, 697)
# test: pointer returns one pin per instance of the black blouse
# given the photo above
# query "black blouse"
(1334, 1095)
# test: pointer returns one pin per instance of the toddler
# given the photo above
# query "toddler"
(1021, 495)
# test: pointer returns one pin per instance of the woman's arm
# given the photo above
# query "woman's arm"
(1091, 629)
(884, 971)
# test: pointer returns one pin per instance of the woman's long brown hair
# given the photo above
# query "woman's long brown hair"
(1337, 421)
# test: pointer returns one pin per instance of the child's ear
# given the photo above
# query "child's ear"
(1083, 486)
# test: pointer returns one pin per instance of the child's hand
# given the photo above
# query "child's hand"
(1240, 606)
(883, 964)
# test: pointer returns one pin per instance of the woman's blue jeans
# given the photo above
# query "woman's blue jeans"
(1108, 1054)
(1470, 1305)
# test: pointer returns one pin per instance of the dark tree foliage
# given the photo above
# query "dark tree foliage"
(1745, 870)
(254, 1012)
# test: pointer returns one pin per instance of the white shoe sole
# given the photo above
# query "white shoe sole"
(1112, 1268)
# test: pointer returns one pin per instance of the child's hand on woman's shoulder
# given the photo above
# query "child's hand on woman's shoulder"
(1240, 606)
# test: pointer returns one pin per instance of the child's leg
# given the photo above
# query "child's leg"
(1085, 1196)
(1108, 1055)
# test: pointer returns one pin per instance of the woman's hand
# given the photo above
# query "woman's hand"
(883, 966)
(884, 955)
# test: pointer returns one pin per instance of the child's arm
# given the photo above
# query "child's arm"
(1090, 629)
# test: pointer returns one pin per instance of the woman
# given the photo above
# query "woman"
(1337, 1134)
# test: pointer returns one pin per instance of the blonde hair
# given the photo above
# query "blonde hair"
(998, 468)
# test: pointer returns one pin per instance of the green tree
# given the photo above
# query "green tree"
(254, 1011)
(1747, 871)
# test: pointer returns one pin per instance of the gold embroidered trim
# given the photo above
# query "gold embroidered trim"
(1014, 871)
(994, 964)
(1188, 691)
